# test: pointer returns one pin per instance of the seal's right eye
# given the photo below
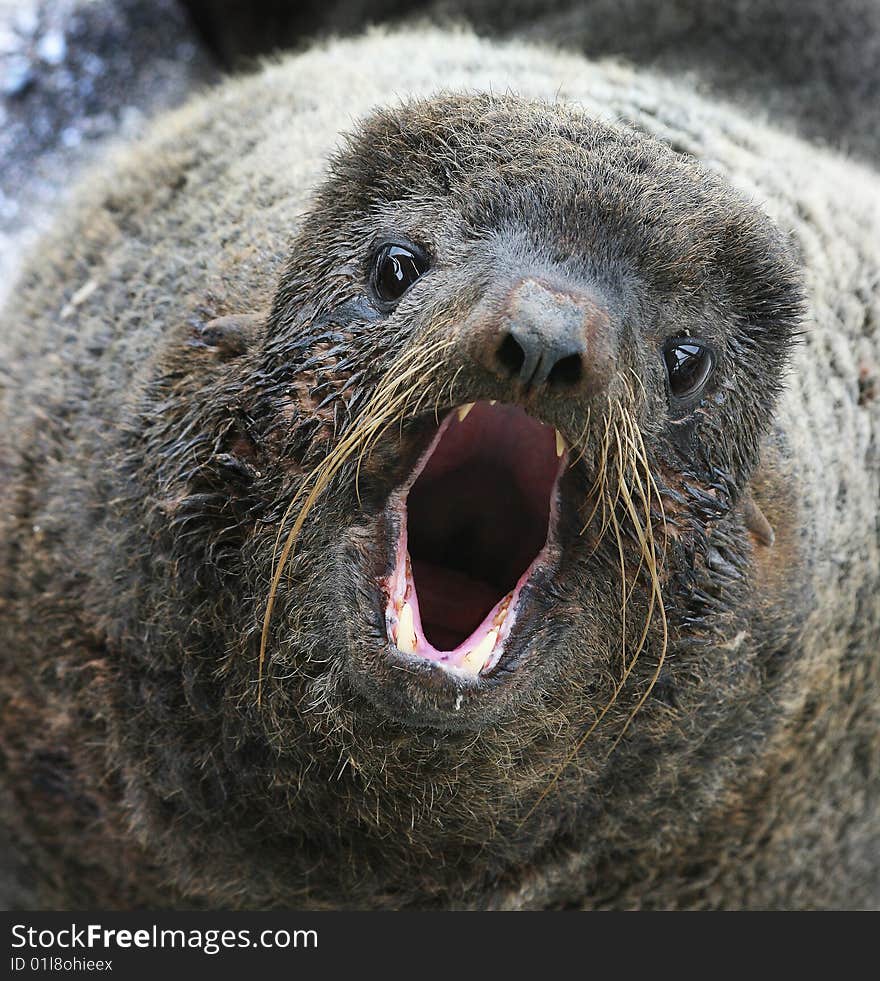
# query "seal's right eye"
(395, 269)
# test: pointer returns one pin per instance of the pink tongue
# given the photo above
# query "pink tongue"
(458, 602)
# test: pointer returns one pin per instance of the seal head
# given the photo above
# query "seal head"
(526, 359)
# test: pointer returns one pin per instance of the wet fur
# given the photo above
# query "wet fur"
(150, 459)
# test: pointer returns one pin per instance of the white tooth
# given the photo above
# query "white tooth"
(477, 656)
(463, 410)
(560, 443)
(502, 610)
(406, 635)
(493, 402)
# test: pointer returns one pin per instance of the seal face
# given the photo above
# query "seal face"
(545, 360)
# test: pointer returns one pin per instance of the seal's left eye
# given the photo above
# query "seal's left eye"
(396, 269)
(688, 363)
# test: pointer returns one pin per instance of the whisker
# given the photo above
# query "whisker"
(631, 456)
(388, 402)
(600, 482)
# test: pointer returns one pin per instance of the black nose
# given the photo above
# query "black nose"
(547, 337)
(537, 352)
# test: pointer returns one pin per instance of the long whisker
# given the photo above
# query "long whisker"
(631, 455)
(388, 403)
(656, 593)
(599, 485)
(582, 440)
(624, 595)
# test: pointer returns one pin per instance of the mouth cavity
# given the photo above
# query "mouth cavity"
(476, 518)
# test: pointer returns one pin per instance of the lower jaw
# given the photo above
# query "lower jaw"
(416, 692)
(484, 648)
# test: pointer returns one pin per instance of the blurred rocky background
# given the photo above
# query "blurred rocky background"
(74, 74)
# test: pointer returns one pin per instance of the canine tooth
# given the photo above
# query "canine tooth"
(560, 443)
(493, 401)
(406, 635)
(463, 410)
(477, 656)
(502, 610)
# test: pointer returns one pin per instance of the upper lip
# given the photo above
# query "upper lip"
(473, 521)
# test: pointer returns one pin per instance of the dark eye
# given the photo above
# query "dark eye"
(395, 269)
(689, 364)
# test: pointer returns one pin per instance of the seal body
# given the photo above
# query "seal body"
(194, 341)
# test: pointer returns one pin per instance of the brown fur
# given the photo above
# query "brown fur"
(158, 441)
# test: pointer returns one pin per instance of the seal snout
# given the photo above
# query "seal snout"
(477, 518)
(549, 339)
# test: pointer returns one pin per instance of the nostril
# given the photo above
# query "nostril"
(510, 355)
(552, 339)
(567, 371)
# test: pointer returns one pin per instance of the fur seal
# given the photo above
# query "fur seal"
(478, 513)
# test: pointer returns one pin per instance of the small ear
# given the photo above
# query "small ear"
(231, 336)
(754, 520)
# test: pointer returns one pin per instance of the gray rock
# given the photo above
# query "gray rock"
(73, 75)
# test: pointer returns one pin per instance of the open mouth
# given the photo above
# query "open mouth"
(476, 519)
